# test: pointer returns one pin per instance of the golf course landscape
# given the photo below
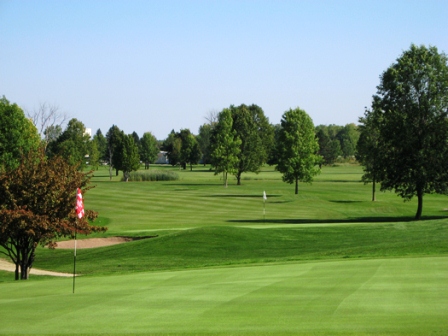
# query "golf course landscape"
(207, 260)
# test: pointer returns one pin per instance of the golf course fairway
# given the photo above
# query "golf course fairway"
(391, 296)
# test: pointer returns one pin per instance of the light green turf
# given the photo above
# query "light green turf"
(407, 296)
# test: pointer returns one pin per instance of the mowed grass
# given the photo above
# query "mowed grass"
(326, 261)
(198, 199)
(405, 296)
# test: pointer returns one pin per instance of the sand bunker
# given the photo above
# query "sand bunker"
(92, 242)
(69, 244)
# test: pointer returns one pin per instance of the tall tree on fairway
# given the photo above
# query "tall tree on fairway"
(148, 149)
(189, 151)
(412, 107)
(256, 135)
(114, 138)
(37, 206)
(225, 146)
(297, 148)
(130, 156)
(368, 147)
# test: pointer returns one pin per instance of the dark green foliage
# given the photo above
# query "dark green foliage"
(72, 144)
(101, 143)
(203, 138)
(130, 156)
(18, 135)
(411, 108)
(256, 135)
(114, 138)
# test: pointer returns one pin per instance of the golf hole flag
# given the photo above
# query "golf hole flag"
(79, 204)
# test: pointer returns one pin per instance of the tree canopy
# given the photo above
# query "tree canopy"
(256, 136)
(18, 135)
(37, 206)
(411, 107)
(297, 148)
(148, 148)
(225, 146)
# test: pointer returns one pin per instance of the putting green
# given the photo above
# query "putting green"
(405, 296)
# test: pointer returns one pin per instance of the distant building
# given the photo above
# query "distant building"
(88, 131)
(162, 158)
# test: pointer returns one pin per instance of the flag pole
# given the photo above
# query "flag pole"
(79, 214)
(264, 205)
(74, 260)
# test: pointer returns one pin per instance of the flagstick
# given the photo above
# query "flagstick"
(74, 261)
(264, 211)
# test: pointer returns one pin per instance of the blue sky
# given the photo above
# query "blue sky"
(162, 65)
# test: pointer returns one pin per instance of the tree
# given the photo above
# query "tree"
(130, 156)
(189, 150)
(101, 143)
(94, 154)
(72, 144)
(172, 145)
(368, 148)
(329, 149)
(297, 148)
(203, 138)
(256, 135)
(18, 135)
(225, 146)
(114, 138)
(37, 206)
(148, 149)
(411, 106)
(48, 120)
(348, 137)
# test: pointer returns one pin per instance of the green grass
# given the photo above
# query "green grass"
(326, 261)
(360, 297)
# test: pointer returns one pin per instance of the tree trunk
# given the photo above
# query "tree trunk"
(225, 179)
(418, 215)
(238, 178)
(297, 186)
(373, 190)
(16, 272)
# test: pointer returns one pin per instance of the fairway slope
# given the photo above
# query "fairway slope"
(218, 246)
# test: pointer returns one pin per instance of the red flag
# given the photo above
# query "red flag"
(79, 205)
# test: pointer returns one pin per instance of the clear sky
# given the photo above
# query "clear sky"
(162, 65)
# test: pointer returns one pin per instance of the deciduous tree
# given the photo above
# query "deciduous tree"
(256, 136)
(37, 206)
(18, 135)
(412, 111)
(297, 148)
(148, 149)
(225, 146)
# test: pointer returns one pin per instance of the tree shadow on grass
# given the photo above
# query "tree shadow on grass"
(334, 221)
(242, 195)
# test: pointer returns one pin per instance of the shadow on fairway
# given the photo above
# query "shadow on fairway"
(242, 195)
(334, 221)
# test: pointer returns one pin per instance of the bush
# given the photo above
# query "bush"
(153, 175)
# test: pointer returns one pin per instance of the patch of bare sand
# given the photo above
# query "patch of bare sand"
(92, 242)
(10, 267)
(69, 244)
